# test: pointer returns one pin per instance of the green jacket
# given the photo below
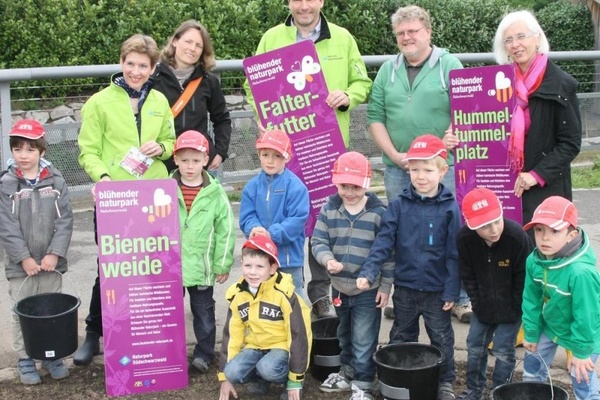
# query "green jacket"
(108, 131)
(207, 233)
(408, 112)
(562, 300)
(340, 59)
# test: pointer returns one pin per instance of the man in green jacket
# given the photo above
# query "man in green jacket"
(348, 84)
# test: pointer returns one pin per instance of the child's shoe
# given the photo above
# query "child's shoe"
(201, 365)
(359, 394)
(445, 391)
(57, 369)
(28, 373)
(335, 383)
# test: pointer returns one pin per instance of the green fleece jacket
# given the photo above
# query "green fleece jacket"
(340, 60)
(562, 300)
(410, 111)
(108, 131)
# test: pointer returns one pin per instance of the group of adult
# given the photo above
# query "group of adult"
(408, 98)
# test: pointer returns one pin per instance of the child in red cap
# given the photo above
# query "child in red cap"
(207, 238)
(419, 227)
(36, 223)
(267, 333)
(275, 203)
(561, 299)
(344, 233)
(492, 251)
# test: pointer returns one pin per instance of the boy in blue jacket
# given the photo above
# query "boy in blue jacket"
(275, 204)
(420, 225)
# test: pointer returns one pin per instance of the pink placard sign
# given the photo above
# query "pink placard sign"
(482, 100)
(289, 92)
(141, 287)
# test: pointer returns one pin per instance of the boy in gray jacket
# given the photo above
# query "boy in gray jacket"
(36, 223)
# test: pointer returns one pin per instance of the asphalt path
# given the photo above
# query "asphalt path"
(82, 272)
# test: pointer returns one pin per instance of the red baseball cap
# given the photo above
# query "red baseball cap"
(426, 147)
(555, 212)
(191, 140)
(276, 140)
(264, 244)
(28, 129)
(480, 207)
(352, 168)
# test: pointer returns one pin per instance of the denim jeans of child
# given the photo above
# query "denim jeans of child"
(409, 306)
(358, 333)
(252, 365)
(535, 370)
(202, 305)
(478, 340)
(297, 274)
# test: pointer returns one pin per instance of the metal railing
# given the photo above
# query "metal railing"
(63, 150)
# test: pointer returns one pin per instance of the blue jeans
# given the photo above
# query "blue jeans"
(480, 336)
(252, 365)
(396, 179)
(202, 305)
(358, 333)
(535, 370)
(409, 306)
(297, 274)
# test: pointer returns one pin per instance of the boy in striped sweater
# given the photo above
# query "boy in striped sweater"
(343, 235)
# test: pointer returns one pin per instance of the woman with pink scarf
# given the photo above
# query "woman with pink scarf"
(546, 124)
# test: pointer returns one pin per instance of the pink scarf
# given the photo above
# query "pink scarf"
(525, 86)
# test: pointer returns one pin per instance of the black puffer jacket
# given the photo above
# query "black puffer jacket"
(493, 276)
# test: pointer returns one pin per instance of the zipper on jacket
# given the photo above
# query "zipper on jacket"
(430, 233)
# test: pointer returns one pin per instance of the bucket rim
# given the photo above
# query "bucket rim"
(528, 383)
(408, 344)
(69, 311)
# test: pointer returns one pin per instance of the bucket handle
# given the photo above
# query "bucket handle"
(17, 297)
(535, 354)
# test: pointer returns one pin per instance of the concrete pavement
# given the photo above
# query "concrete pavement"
(82, 272)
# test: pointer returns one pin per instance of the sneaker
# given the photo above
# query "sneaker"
(28, 373)
(445, 392)
(323, 308)
(462, 312)
(57, 369)
(258, 388)
(388, 312)
(469, 395)
(200, 365)
(335, 383)
(359, 394)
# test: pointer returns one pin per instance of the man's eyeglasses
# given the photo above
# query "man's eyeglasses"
(410, 32)
(519, 38)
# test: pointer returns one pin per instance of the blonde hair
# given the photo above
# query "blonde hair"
(439, 161)
(207, 58)
(142, 44)
(411, 13)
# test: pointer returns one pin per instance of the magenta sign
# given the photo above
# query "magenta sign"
(289, 92)
(141, 287)
(481, 101)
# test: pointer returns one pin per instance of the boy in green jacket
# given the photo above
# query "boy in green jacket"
(561, 299)
(207, 238)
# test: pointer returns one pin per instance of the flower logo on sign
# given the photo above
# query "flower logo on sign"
(161, 206)
(302, 72)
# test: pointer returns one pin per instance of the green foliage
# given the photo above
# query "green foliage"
(45, 33)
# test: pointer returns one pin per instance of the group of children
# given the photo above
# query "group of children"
(414, 244)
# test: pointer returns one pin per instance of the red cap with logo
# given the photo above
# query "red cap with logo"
(426, 147)
(352, 168)
(28, 129)
(264, 244)
(480, 207)
(556, 212)
(276, 140)
(191, 140)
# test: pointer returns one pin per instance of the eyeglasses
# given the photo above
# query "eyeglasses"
(519, 38)
(410, 32)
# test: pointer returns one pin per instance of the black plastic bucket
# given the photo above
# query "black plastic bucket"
(49, 325)
(529, 391)
(325, 353)
(408, 371)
